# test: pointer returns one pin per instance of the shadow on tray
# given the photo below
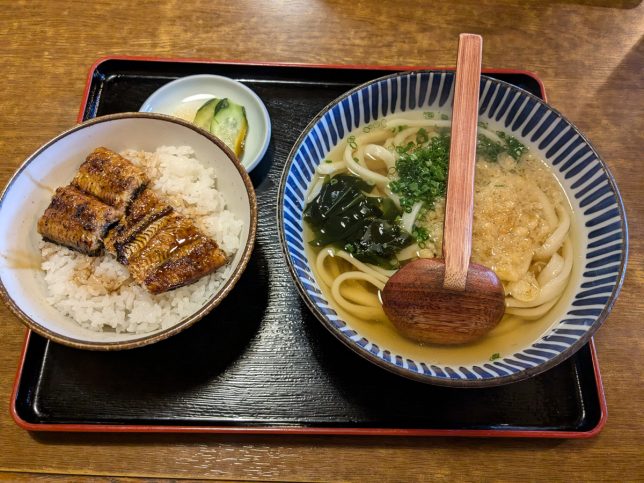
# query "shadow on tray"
(197, 355)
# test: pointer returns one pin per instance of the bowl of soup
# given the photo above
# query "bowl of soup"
(363, 193)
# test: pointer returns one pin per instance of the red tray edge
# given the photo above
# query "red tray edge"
(286, 430)
(337, 431)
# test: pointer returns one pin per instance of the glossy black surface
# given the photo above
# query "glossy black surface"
(261, 358)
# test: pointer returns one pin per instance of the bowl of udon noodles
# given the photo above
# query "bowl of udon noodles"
(363, 192)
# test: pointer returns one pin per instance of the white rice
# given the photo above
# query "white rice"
(98, 292)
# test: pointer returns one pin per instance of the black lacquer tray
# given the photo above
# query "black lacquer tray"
(261, 362)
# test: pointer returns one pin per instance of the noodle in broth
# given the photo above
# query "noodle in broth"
(521, 230)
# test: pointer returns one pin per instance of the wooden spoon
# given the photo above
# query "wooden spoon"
(450, 300)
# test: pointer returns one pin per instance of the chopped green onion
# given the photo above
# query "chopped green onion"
(422, 173)
(422, 137)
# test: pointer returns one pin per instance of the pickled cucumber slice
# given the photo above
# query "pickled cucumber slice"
(229, 124)
(203, 117)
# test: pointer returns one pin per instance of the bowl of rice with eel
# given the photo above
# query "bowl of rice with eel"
(123, 231)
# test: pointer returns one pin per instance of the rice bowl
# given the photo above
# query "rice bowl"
(104, 310)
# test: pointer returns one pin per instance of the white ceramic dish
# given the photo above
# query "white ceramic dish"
(182, 98)
(27, 195)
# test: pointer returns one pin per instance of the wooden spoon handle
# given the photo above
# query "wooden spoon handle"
(457, 231)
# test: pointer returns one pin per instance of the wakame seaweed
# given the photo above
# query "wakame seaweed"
(344, 216)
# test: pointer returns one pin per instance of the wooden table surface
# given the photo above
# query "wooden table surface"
(589, 55)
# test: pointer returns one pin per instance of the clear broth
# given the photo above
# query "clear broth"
(510, 336)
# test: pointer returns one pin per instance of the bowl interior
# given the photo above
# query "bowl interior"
(599, 232)
(29, 192)
(184, 96)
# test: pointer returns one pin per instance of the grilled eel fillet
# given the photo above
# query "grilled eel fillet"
(77, 220)
(81, 213)
(110, 177)
(186, 265)
(144, 217)
(162, 249)
(107, 203)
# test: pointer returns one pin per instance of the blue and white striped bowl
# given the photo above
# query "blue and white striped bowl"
(597, 206)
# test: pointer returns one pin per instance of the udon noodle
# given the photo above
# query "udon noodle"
(521, 226)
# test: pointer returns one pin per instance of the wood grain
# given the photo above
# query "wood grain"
(450, 300)
(422, 308)
(459, 201)
(589, 54)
